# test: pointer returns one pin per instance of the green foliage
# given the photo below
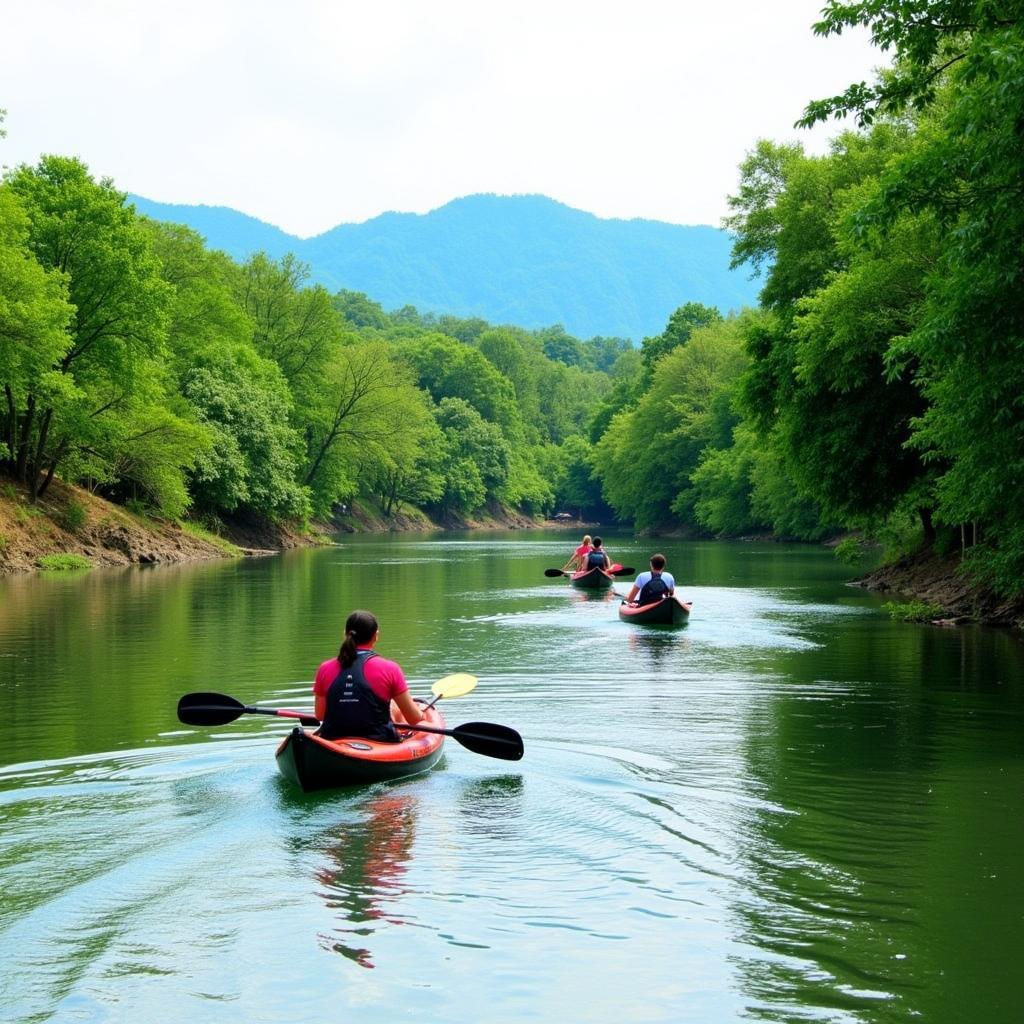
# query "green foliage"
(646, 457)
(913, 611)
(850, 551)
(195, 529)
(73, 516)
(359, 310)
(681, 325)
(959, 73)
(63, 563)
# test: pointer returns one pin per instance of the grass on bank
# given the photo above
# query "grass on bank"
(63, 563)
(913, 611)
(201, 533)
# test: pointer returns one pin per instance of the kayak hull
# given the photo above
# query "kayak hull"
(313, 763)
(668, 612)
(592, 579)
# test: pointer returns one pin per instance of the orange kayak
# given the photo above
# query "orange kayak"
(313, 763)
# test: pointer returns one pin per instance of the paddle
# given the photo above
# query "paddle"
(217, 709)
(616, 570)
(481, 737)
(456, 685)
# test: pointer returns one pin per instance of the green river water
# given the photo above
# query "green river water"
(792, 809)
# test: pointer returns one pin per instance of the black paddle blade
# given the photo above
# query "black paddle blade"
(626, 570)
(491, 740)
(553, 572)
(208, 709)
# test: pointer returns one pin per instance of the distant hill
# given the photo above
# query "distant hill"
(524, 260)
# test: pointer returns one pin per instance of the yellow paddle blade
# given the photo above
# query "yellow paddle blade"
(454, 686)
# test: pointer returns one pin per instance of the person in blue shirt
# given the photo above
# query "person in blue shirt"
(596, 558)
(652, 586)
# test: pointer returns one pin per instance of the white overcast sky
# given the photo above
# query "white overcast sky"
(310, 113)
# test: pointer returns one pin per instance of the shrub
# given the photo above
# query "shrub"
(63, 563)
(913, 611)
(8, 491)
(73, 517)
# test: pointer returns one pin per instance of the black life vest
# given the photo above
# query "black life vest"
(596, 560)
(655, 589)
(353, 709)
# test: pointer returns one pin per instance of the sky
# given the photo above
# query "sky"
(312, 113)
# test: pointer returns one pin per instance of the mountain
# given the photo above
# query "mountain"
(524, 260)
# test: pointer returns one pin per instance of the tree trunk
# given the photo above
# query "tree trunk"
(927, 525)
(62, 450)
(21, 463)
(36, 466)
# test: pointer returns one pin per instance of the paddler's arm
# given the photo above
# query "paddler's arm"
(320, 706)
(410, 710)
(632, 594)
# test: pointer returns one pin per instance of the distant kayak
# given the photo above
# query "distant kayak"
(668, 612)
(591, 579)
(313, 763)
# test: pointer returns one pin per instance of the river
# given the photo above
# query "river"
(792, 809)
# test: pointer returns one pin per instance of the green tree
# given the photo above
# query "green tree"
(107, 382)
(962, 64)
(647, 456)
(681, 325)
(34, 316)
(360, 311)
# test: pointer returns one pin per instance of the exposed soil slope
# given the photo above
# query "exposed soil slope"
(939, 580)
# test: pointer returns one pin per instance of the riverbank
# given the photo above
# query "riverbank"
(70, 521)
(363, 517)
(938, 580)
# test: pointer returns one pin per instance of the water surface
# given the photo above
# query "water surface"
(791, 809)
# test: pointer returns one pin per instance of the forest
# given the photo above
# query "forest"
(877, 387)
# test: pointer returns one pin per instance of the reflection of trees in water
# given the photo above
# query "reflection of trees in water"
(366, 863)
(492, 806)
(860, 888)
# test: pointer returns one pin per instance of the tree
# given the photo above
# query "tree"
(359, 410)
(646, 457)
(960, 67)
(477, 462)
(677, 332)
(34, 316)
(360, 311)
(110, 374)
(296, 326)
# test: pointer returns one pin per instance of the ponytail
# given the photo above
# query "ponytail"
(360, 628)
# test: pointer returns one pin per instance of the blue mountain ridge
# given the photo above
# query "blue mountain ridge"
(525, 260)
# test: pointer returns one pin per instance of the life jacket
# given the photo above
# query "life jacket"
(597, 559)
(655, 589)
(353, 709)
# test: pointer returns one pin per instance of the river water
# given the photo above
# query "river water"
(792, 809)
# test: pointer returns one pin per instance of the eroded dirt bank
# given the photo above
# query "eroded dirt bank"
(938, 580)
(71, 521)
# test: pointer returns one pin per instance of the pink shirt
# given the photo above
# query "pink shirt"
(385, 677)
(583, 549)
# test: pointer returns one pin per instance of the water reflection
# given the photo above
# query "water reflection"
(656, 645)
(493, 806)
(366, 864)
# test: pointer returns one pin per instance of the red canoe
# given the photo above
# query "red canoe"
(669, 611)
